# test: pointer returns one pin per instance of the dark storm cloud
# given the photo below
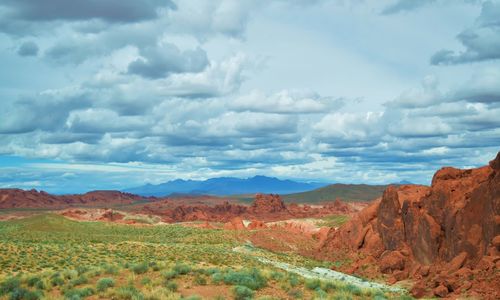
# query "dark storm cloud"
(42, 112)
(108, 10)
(157, 62)
(481, 41)
(28, 49)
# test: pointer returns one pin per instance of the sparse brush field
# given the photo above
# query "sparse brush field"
(50, 257)
(333, 220)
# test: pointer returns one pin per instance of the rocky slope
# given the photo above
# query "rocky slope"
(16, 198)
(446, 236)
(264, 208)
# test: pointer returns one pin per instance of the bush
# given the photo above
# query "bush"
(200, 280)
(140, 268)
(110, 269)
(9, 285)
(293, 280)
(169, 274)
(104, 283)
(40, 285)
(82, 279)
(320, 294)
(78, 293)
(145, 281)
(355, 290)
(277, 275)
(217, 278)
(242, 293)
(127, 293)
(56, 279)
(32, 281)
(252, 279)
(182, 269)
(313, 284)
(24, 294)
(171, 286)
(329, 286)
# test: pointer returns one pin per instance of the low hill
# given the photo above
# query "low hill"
(347, 192)
(224, 186)
(17, 198)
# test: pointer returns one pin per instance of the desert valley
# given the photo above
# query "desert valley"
(417, 241)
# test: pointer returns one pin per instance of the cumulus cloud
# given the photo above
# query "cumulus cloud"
(286, 102)
(204, 19)
(111, 11)
(28, 49)
(481, 41)
(163, 91)
(483, 87)
(157, 62)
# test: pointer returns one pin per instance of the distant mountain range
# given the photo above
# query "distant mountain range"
(224, 186)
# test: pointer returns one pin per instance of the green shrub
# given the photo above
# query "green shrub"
(355, 290)
(145, 281)
(127, 293)
(78, 293)
(182, 269)
(242, 293)
(277, 275)
(82, 279)
(40, 285)
(104, 283)
(110, 269)
(200, 280)
(24, 294)
(140, 268)
(252, 279)
(329, 286)
(169, 274)
(313, 284)
(293, 280)
(56, 279)
(33, 280)
(171, 286)
(9, 285)
(320, 294)
(217, 278)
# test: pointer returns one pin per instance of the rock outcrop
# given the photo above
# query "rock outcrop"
(17, 198)
(433, 232)
(267, 204)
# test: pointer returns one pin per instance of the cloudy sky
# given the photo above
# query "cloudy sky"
(112, 94)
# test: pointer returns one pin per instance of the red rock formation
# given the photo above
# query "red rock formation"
(235, 224)
(453, 224)
(264, 204)
(16, 198)
(256, 224)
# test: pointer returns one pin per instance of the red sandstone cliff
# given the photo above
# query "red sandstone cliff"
(446, 235)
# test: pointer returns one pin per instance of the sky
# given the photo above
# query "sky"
(119, 93)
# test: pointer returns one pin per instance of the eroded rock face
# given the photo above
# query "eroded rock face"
(16, 198)
(452, 224)
(235, 224)
(267, 204)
